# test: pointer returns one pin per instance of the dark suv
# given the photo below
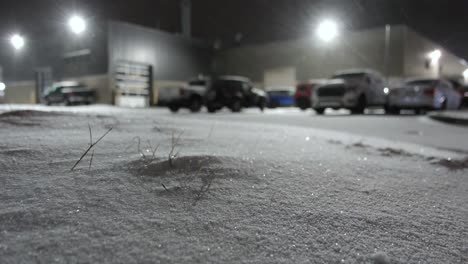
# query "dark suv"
(235, 93)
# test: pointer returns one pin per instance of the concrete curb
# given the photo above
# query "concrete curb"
(452, 118)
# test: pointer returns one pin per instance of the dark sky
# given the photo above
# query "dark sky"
(445, 21)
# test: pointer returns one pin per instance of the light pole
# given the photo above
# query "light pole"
(465, 76)
(388, 31)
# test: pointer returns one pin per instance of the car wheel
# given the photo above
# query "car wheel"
(174, 108)
(320, 111)
(392, 110)
(303, 107)
(443, 107)
(195, 105)
(302, 104)
(236, 105)
(420, 111)
(211, 109)
(262, 104)
(360, 107)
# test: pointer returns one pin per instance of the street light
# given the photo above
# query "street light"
(465, 75)
(77, 24)
(17, 41)
(435, 56)
(327, 30)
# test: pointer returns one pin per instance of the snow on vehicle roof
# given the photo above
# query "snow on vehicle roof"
(357, 71)
(66, 84)
(234, 78)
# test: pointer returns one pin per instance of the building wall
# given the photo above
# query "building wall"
(20, 93)
(314, 59)
(417, 48)
(173, 57)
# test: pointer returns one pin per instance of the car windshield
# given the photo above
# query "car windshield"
(421, 82)
(197, 83)
(280, 92)
(350, 76)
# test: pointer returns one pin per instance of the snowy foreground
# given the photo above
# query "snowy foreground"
(230, 193)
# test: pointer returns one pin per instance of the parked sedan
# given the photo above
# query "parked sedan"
(280, 97)
(423, 94)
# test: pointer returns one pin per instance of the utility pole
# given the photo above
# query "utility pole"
(388, 31)
(186, 18)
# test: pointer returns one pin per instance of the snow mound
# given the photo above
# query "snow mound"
(26, 118)
(380, 258)
(189, 177)
(28, 113)
(9, 156)
(187, 165)
(453, 164)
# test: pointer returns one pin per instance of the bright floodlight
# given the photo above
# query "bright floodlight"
(327, 30)
(77, 24)
(17, 41)
(2, 87)
(435, 56)
(465, 74)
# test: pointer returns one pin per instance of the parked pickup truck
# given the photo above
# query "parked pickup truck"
(189, 96)
(352, 89)
(69, 93)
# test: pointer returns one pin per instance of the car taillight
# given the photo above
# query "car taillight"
(71, 94)
(429, 92)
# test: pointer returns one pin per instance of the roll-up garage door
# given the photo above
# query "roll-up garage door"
(133, 84)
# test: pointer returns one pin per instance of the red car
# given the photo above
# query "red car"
(303, 93)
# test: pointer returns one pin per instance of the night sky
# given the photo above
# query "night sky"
(445, 21)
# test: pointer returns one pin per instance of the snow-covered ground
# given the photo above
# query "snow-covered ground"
(233, 192)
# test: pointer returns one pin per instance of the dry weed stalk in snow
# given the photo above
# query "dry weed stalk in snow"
(91, 146)
(174, 144)
(142, 153)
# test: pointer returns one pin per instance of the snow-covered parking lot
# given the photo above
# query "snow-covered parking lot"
(165, 188)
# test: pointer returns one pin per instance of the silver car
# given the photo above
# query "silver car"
(423, 94)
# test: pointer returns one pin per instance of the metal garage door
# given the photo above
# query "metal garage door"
(133, 84)
(280, 77)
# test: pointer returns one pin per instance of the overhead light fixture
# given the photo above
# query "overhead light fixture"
(435, 55)
(327, 30)
(77, 24)
(17, 41)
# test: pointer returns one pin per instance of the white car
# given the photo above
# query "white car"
(353, 89)
(423, 94)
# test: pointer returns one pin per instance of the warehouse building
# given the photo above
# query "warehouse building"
(128, 64)
(395, 51)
